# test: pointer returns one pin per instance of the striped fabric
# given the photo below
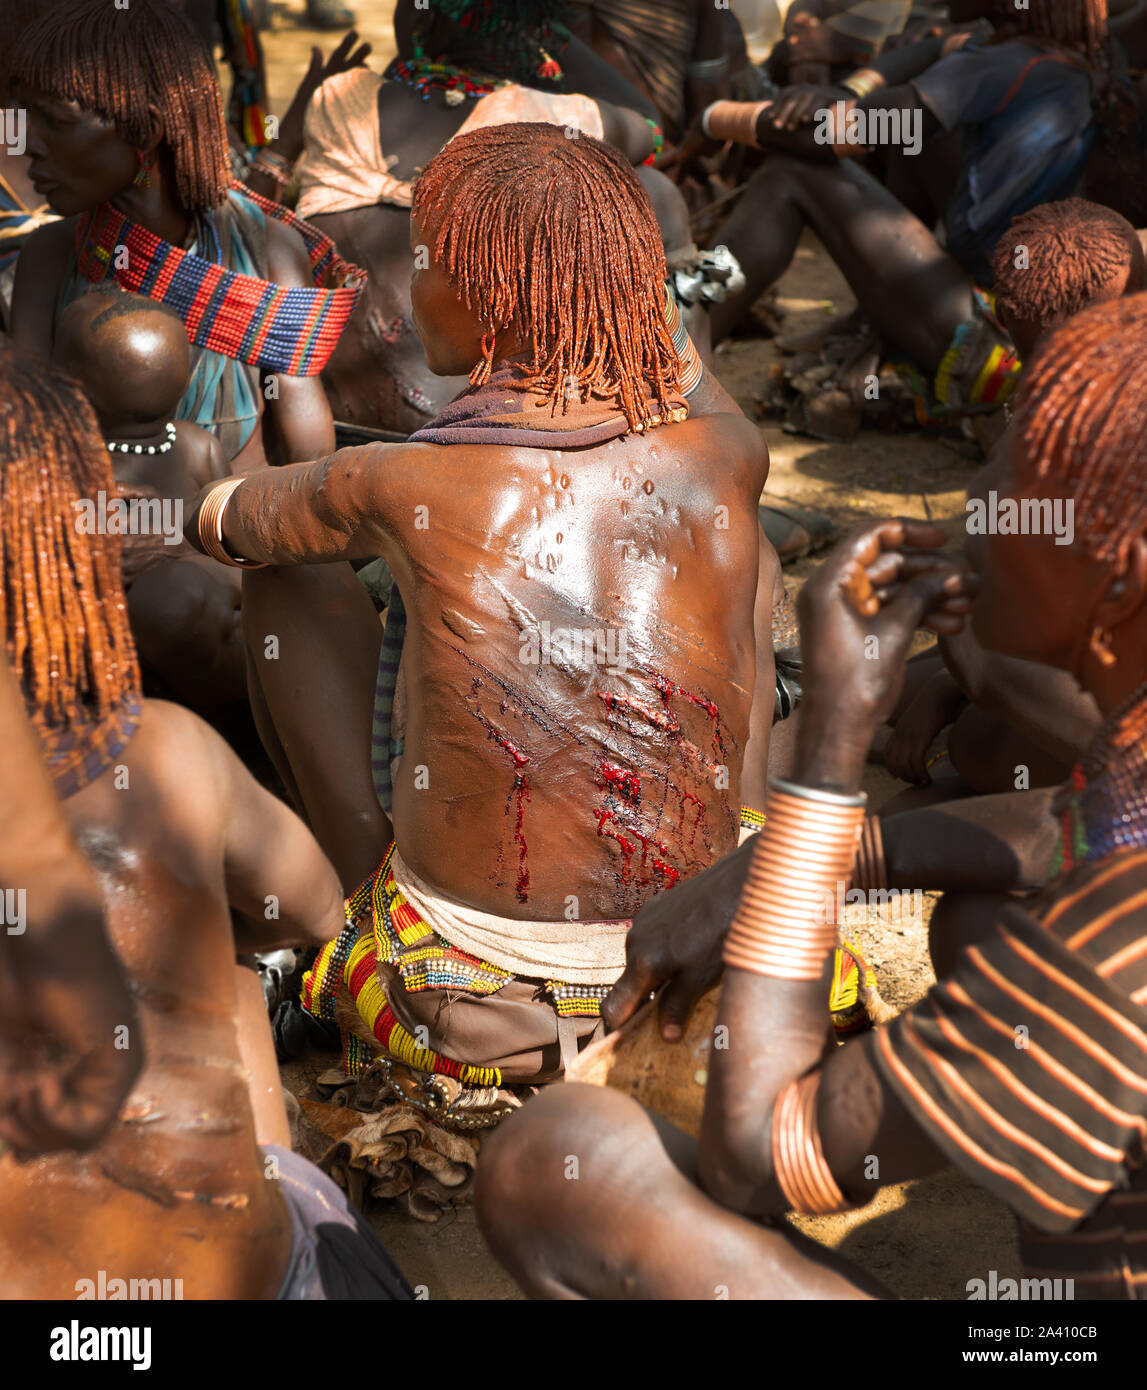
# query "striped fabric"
(76, 756)
(1028, 1068)
(279, 328)
(657, 37)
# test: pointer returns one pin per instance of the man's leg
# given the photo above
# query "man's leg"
(993, 756)
(584, 1194)
(913, 292)
(312, 640)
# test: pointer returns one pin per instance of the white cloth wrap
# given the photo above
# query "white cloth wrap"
(343, 165)
(577, 953)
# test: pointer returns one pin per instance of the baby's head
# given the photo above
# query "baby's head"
(129, 353)
(1059, 259)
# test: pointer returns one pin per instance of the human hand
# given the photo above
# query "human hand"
(858, 615)
(144, 551)
(933, 709)
(798, 105)
(676, 941)
(341, 60)
(693, 146)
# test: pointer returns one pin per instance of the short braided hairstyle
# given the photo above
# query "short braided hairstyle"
(1074, 249)
(555, 234)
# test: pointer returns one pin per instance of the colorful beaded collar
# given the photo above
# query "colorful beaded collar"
(1103, 809)
(456, 83)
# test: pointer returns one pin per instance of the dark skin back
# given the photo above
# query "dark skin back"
(515, 755)
(66, 1096)
(543, 780)
(78, 160)
(177, 1188)
(681, 1240)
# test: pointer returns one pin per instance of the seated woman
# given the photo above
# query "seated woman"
(592, 487)
(1014, 724)
(127, 142)
(1029, 105)
(369, 136)
(1026, 1064)
(195, 1181)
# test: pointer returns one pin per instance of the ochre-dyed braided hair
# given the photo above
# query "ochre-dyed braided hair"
(1082, 422)
(18, 15)
(556, 236)
(1074, 250)
(118, 63)
(65, 616)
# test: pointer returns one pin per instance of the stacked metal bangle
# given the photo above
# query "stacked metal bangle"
(799, 1165)
(734, 120)
(864, 82)
(708, 69)
(210, 526)
(785, 924)
(692, 368)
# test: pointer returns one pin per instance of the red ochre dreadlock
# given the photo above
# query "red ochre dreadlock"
(121, 62)
(1082, 422)
(65, 616)
(1078, 24)
(1074, 250)
(556, 236)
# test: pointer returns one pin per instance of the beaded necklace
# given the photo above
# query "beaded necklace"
(425, 77)
(1103, 809)
(130, 448)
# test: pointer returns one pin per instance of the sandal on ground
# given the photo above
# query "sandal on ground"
(794, 532)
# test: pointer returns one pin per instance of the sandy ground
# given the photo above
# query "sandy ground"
(921, 1240)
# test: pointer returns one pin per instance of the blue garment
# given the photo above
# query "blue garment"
(1028, 120)
(201, 401)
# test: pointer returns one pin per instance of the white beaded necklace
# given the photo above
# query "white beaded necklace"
(163, 448)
